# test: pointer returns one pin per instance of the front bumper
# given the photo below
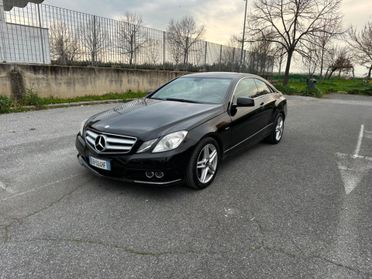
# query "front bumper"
(132, 167)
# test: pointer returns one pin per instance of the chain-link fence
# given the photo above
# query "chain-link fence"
(46, 34)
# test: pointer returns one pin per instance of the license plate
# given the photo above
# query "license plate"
(101, 164)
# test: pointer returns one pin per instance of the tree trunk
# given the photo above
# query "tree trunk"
(287, 67)
(322, 63)
(370, 72)
(280, 64)
(130, 58)
(331, 73)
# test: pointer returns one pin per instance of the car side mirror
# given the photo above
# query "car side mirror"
(244, 102)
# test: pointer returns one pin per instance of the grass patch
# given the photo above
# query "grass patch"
(32, 99)
(5, 104)
(298, 85)
(109, 96)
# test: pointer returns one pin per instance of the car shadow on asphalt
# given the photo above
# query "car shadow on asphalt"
(241, 152)
(167, 192)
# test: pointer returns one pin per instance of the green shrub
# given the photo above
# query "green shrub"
(362, 91)
(5, 104)
(285, 89)
(313, 92)
(32, 99)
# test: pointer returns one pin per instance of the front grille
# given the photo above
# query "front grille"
(113, 144)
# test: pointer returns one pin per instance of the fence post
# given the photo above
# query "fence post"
(220, 57)
(164, 47)
(94, 52)
(244, 59)
(205, 53)
(41, 33)
(2, 32)
(233, 60)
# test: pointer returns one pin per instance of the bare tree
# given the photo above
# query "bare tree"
(311, 57)
(230, 53)
(130, 36)
(361, 43)
(279, 53)
(176, 53)
(183, 35)
(262, 52)
(94, 39)
(153, 51)
(340, 61)
(63, 44)
(290, 22)
(322, 39)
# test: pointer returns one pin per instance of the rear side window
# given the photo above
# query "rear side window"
(262, 88)
(246, 88)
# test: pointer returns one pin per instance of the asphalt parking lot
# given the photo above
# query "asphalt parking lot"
(301, 209)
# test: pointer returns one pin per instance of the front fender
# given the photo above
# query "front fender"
(281, 105)
(218, 128)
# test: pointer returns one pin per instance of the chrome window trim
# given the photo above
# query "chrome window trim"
(236, 85)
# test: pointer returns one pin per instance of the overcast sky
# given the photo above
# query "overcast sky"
(222, 18)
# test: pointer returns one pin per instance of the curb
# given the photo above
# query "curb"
(78, 104)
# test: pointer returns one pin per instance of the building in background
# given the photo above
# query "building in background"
(19, 42)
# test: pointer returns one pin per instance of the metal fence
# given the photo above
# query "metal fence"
(47, 34)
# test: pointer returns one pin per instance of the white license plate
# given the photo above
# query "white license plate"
(101, 164)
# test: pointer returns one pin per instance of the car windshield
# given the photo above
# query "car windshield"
(195, 90)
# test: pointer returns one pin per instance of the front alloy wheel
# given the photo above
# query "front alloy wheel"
(277, 133)
(207, 163)
(203, 164)
(279, 129)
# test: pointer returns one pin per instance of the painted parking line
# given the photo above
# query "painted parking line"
(353, 168)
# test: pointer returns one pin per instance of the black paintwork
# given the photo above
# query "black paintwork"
(148, 119)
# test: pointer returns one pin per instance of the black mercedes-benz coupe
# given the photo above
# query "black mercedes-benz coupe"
(183, 130)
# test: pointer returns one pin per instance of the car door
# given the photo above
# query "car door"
(246, 121)
(267, 101)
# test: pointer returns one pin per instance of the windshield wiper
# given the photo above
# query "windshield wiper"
(180, 100)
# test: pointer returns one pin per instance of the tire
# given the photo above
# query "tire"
(277, 134)
(194, 174)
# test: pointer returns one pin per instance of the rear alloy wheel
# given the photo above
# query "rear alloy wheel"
(277, 134)
(203, 164)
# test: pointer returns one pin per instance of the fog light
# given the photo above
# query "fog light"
(149, 174)
(159, 174)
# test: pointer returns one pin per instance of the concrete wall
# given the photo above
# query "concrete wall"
(67, 81)
(5, 88)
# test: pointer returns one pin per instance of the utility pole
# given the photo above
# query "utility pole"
(243, 37)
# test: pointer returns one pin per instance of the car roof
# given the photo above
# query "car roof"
(222, 75)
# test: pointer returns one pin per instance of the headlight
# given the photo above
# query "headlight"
(82, 126)
(146, 146)
(170, 142)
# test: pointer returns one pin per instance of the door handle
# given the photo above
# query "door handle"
(262, 104)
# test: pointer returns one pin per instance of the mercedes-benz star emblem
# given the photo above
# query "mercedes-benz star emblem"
(100, 143)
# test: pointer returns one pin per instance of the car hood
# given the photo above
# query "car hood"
(149, 118)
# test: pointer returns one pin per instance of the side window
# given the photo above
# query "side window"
(262, 88)
(246, 88)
